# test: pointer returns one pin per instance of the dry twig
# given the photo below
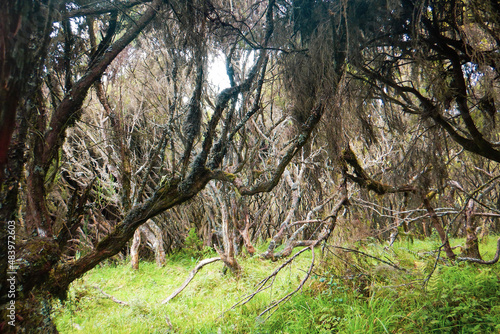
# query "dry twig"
(200, 265)
(111, 297)
(262, 285)
(288, 296)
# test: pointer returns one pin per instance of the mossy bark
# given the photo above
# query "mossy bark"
(34, 313)
(28, 306)
(471, 241)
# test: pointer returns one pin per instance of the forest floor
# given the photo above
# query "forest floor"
(347, 292)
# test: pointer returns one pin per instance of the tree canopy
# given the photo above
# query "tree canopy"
(115, 124)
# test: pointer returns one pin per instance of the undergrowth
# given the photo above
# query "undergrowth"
(347, 292)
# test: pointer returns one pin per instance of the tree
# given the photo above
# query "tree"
(47, 90)
(436, 61)
(108, 120)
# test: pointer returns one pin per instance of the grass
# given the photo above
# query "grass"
(347, 293)
(198, 309)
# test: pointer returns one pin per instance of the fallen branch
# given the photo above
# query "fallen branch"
(495, 259)
(261, 286)
(368, 255)
(112, 297)
(288, 296)
(200, 265)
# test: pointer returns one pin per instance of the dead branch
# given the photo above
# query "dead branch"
(296, 198)
(193, 273)
(480, 261)
(291, 243)
(368, 255)
(262, 285)
(362, 178)
(111, 297)
(288, 296)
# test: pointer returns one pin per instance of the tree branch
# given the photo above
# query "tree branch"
(192, 274)
(68, 111)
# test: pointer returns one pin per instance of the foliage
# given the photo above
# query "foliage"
(194, 246)
(465, 299)
(193, 242)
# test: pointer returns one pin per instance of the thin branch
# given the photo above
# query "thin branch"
(288, 296)
(112, 297)
(261, 286)
(368, 255)
(103, 9)
(193, 273)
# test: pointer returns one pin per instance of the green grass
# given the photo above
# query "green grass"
(350, 294)
(198, 309)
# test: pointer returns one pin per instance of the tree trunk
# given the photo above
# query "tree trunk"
(28, 314)
(439, 228)
(246, 236)
(228, 254)
(34, 313)
(29, 293)
(154, 238)
(471, 241)
(158, 245)
(134, 249)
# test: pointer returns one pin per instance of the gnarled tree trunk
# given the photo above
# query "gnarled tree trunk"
(471, 241)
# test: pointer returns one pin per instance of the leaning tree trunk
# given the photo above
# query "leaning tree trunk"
(439, 228)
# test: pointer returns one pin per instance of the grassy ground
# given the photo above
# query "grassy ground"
(347, 293)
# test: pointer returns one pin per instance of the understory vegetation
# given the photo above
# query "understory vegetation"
(347, 292)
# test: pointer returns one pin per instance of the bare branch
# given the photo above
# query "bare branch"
(288, 296)
(103, 8)
(111, 297)
(192, 274)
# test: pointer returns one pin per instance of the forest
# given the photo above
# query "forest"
(342, 154)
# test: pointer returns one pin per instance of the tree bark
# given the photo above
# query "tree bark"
(471, 241)
(33, 313)
(246, 236)
(159, 249)
(439, 228)
(134, 249)
(228, 254)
